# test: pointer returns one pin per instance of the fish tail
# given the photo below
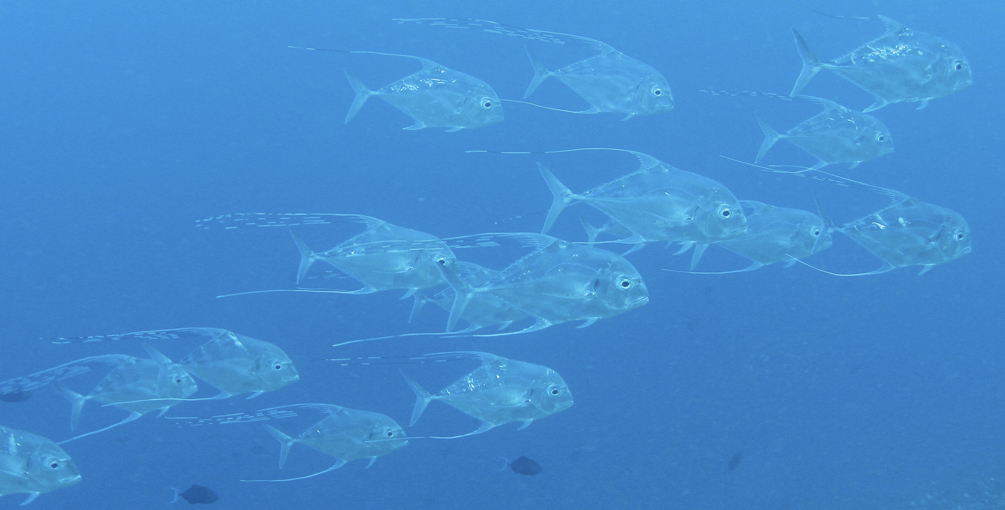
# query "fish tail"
(285, 442)
(462, 295)
(540, 73)
(307, 256)
(770, 137)
(422, 398)
(362, 94)
(562, 197)
(77, 400)
(811, 65)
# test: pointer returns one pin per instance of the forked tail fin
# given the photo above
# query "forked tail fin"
(811, 65)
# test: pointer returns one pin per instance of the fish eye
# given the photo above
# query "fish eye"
(815, 232)
(880, 137)
(486, 103)
(958, 65)
(725, 212)
(554, 391)
(53, 464)
(657, 91)
(389, 433)
(626, 283)
(959, 236)
(277, 365)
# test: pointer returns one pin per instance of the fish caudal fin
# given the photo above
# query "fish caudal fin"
(462, 294)
(77, 401)
(285, 442)
(770, 137)
(307, 256)
(811, 65)
(362, 94)
(540, 73)
(562, 197)
(422, 399)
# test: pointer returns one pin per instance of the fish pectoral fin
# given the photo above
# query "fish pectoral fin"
(880, 102)
(453, 129)
(525, 424)
(923, 105)
(626, 117)
(372, 460)
(31, 497)
(249, 397)
(414, 127)
(485, 427)
(587, 323)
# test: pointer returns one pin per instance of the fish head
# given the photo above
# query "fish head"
(951, 70)
(482, 107)
(51, 468)
(720, 216)
(953, 237)
(385, 435)
(550, 393)
(879, 140)
(275, 369)
(619, 287)
(652, 95)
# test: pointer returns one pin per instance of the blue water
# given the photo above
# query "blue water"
(121, 123)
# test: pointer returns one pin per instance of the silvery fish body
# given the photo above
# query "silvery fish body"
(835, 135)
(609, 81)
(31, 464)
(901, 65)
(775, 234)
(483, 309)
(237, 364)
(556, 282)
(499, 391)
(911, 233)
(658, 202)
(434, 96)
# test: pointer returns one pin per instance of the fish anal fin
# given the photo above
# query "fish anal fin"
(31, 497)
(525, 424)
(417, 126)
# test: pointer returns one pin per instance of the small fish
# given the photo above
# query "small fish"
(434, 96)
(499, 391)
(835, 135)
(901, 65)
(32, 464)
(774, 234)
(908, 232)
(196, 495)
(656, 202)
(383, 257)
(609, 81)
(556, 282)
(524, 466)
(139, 386)
(17, 395)
(233, 363)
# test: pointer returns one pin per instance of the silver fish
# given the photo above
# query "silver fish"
(434, 96)
(908, 232)
(233, 363)
(774, 234)
(482, 310)
(609, 81)
(556, 282)
(382, 257)
(61, 372)
(346, 434)
(835, 135)
(31, 464)
(138, 385)
(901, 65)
(499, 391)
(657, 202)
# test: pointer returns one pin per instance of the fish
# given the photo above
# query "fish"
(907, 232)
(524, 466)
(138, 385)
(196, 495)
(344, 433)
(656, 202)
(434, 96)
(609, 81)
(774, 234)
(499, 391)
(19, 386)
(32, 465)
(483, 310)
(17, 395)
(233, 363)
(382, 257)
(902, 65)
(835, 135)
(556, 282)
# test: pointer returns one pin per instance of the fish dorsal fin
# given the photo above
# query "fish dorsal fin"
(588, 111)
(151, 335)
(886, 267)
(494, 27)
(753, 266)
(133, 416)
(485, 427)
(338, 463)
(426, 63)
(892, 26)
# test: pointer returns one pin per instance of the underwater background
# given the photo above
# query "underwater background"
(121, 123)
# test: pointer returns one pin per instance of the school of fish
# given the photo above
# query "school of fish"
(508, 283)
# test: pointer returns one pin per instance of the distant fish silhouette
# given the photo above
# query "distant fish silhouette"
(17, 395)
(524, 466)
(734, 461)
(196, 494)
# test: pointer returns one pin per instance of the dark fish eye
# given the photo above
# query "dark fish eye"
(880, 137)
(626, 283)
(816, 232)
(657, 91)
(959, 236)
(554, 391)
(389, 433)
(486, 103)
(725, 212)
(277, 366)
(959, 65)
(53, 464)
